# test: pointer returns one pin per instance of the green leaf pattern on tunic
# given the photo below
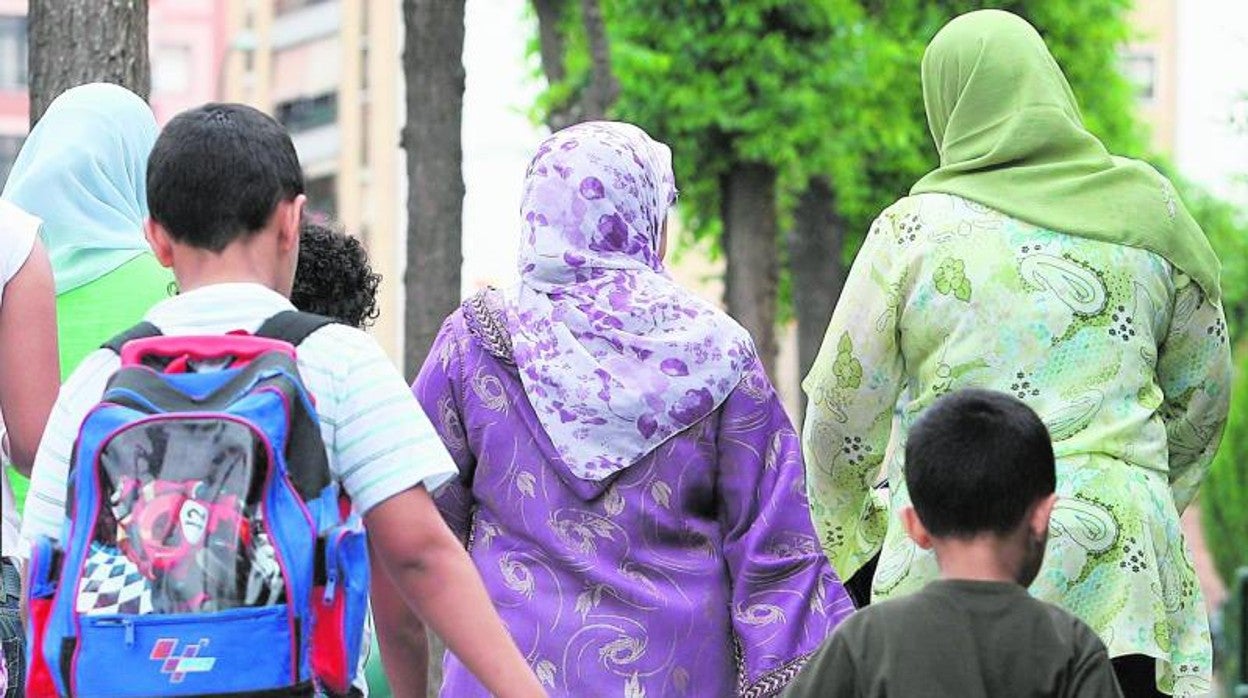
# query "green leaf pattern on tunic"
(950, 279)
(848, 370)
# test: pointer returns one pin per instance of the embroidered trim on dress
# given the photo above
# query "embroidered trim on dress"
(771, 683)
(485, 321)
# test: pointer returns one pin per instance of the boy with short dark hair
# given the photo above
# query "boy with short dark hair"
(225, 192)
(981, 478)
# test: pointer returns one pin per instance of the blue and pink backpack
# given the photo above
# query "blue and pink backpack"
(206, 550)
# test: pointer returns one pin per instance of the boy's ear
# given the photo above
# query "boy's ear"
(160, 242)
(1039, 522)
(915, 528)
(291, 213)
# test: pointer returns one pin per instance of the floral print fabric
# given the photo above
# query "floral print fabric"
(614, 356)
(1123, 357)
(694, 572)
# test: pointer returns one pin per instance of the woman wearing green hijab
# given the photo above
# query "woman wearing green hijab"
(1035, 263)
(83, 171)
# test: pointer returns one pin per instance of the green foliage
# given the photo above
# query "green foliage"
(576, 63)
(1084, 36)
(731, 82)
(1224, 497)
(832, 88)
(828, 88)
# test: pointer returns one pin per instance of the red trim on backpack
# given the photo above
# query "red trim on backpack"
(242, 348)
(329, 647)
(39, 683)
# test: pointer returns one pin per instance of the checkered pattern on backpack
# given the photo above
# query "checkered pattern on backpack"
(111, 583)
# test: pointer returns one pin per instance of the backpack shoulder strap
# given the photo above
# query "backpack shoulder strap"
(143, 330)
(292, 326)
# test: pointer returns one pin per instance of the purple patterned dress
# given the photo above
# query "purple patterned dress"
(630, 487)
(694, 572)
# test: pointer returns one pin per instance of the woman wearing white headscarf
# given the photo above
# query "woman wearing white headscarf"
(83, 172)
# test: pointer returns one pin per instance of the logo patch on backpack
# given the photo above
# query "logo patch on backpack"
(178, 666)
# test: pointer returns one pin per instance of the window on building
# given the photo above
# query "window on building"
(171, 70)
(307, 113)
(1140, 68)
(322, 193)
(9, 147)
(12, 53)
(284, 6)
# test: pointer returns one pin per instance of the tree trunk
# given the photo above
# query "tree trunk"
(552, 47)
(592, 100)
(73, 42)
(550, 38)
(603, 87)
(818, 274)
(750, 249)
(434, 70)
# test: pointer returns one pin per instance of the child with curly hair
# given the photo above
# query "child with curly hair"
(334, 278)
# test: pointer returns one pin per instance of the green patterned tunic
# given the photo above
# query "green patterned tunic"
(1121, 354)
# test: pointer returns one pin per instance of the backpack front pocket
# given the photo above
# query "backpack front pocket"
(127, 656)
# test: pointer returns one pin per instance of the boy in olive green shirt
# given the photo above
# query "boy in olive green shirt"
(981, 478)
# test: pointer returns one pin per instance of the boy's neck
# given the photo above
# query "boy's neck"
(244, 261)
(985, 558)
(191, 282)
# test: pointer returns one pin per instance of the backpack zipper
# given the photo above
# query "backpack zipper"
(127, 624)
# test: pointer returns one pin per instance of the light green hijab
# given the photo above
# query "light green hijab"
(1010, 137)
(83, 171)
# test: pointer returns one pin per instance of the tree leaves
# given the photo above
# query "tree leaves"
(831, 88)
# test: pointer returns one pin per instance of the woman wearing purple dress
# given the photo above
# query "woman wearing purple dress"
(630, 487)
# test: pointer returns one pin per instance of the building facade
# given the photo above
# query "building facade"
(186, 47)
(330, 71)
(1150, 61)
(14, 99)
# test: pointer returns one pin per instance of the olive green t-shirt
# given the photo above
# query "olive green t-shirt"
(960, 638)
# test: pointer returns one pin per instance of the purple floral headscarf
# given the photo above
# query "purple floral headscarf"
(614, 356)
